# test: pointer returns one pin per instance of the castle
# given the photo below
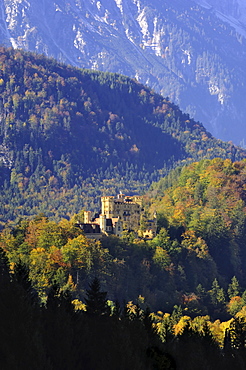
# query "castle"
(117, 215)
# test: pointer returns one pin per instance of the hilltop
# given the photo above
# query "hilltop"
(181, 49)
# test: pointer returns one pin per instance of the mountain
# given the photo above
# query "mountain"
(68, 135)
(231, 11)
(181, 49)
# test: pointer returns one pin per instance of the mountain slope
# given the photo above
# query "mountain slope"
(230, 11)
(61, 127)
(180, 49)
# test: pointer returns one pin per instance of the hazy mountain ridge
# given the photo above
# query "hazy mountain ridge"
(181, 50)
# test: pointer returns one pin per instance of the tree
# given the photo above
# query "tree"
(96, 301)
(235, 305)
(4, 264)
(233, 288)
(76, 253)
(217, 294)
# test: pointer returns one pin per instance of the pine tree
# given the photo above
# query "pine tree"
(96, 301)
(4, 264)
(233, 288)
(217, 294)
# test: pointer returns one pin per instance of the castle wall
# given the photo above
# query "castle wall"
(128, 209)
(121, 213)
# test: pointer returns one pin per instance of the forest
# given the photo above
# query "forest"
(68, 136)
(184, 289)
(184, 51)
(201, 227)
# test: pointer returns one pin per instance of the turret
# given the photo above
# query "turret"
(87, 217)
(103, 223)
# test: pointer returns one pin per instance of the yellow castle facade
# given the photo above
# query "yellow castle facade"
(118, 214)
(127, 209)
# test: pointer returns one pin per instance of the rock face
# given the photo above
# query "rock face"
(182, 49)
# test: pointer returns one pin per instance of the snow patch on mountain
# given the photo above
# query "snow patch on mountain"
(157, 36)
(79, 43)
(143, 23)
(187, 53)
(120, 5)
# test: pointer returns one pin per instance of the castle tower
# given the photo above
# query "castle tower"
(127, 208)
(103, 222)
(108, 206)
(87, 217)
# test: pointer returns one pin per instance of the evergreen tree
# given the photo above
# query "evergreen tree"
(4, 264)
(217, 294)
(233, 288)
(96, 301)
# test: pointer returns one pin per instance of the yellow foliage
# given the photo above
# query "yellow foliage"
(12, 266)
(193, 243)
(141, 299)
(78, 305)
(242, 313)
(235, 305)
(131, 307)
(179, 327)
(199, 321)
(218, 330)
(70, 282)
(179, 216)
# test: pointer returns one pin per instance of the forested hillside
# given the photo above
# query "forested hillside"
(204, 205)
(57, 336)
(200, 242)
(183, 50)
(69, 135)
(179, 298)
